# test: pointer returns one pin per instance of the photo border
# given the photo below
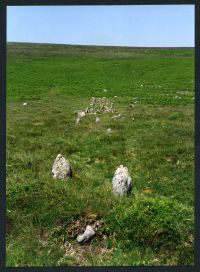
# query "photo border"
(3, 13)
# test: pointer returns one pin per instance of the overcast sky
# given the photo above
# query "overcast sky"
(103, 25)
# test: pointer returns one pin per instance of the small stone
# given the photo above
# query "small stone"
(81, 114)
(109, 130)
(78, 120)
(61, 168)
(104, 237)
(25, 104)
(85, 237)
(121, 182)
(116, 116)
(183, 92)
(97, 119)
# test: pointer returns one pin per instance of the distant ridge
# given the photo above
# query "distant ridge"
(99, 46)
(45, 50)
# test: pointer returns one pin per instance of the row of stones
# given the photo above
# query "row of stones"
(121, 182)
(121, 185)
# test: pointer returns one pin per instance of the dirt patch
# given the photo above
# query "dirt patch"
(78, 226)
(76, 255)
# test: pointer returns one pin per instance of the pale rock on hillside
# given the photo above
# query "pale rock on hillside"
(61, 168)
(121, 182)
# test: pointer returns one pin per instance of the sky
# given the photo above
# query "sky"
(140, 25)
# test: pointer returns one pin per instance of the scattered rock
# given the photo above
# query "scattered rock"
(178, 97)
(183, 92)
(97, 224)
(116, 116)
(24, 104)
(121, 182)
(78, 120)
(109, 130)
(97, 119)
(61, 168)
(104, 237)
(85, 237)
(81, 114)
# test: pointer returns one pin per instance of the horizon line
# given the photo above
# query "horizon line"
(97, 45)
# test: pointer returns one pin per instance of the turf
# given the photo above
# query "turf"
(153, 90)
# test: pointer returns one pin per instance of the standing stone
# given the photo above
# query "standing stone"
(89, 232)
(121, 182)
(61, 168)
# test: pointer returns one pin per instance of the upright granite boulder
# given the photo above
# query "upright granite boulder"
(121, 182)
(61, 168)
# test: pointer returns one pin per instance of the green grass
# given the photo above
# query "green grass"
(153, 226)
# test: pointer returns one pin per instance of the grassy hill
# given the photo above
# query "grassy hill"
(153, 90)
